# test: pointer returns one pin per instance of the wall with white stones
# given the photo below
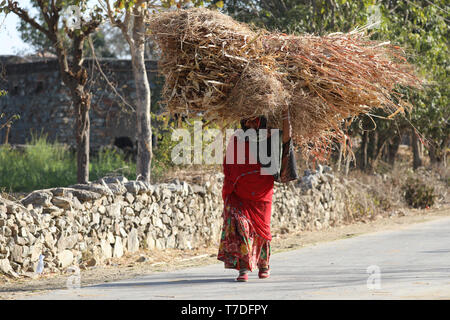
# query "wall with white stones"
(112, 216)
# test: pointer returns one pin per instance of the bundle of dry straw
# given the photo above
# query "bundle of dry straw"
(222, 69)
(215, 65)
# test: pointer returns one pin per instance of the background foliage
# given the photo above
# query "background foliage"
(421, 27)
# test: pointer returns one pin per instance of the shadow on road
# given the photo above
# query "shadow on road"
(183, 282)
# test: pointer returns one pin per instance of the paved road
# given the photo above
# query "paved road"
(413, 263)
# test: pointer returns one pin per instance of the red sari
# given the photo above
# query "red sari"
(247, 197)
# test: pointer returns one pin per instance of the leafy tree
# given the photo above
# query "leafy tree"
(420, 26)
(36, 39)
(106, 41)
(70, 59)
(129, 16)
(291, 16)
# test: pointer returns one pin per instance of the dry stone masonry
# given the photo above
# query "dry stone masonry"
(90, 224)
(37, 95)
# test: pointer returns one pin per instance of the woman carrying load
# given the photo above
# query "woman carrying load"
(247, 195)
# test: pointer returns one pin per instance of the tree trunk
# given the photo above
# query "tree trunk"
(143, 100)
(347, 165)
(8, 128)
(363, 150)
(420, 145)
(75, 78)
(432, 154)
(82, 132)
(445, 145)
(417, 160)
(73, 75)
(373, 144)
(393, 149)
(372, 149)
(385, 151)
(339, 158)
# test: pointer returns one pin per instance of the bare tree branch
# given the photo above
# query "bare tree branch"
(122, 25)
(23, 14)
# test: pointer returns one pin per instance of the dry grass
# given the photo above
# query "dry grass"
(211, 62)
(221, 68)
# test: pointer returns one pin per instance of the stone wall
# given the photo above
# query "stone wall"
(36, 93)
(112, 216)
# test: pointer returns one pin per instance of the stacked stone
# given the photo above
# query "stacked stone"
(315, 201)
(37, 94)
(89, 224)
(105, 219)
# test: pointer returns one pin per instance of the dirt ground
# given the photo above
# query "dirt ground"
(171, 259)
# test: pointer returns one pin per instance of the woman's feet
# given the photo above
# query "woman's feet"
(264, 273)
(243, 276)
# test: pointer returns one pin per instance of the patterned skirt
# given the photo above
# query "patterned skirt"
(240, 246)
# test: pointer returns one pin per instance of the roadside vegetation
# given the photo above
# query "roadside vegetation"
(401, 160)
(42, 164)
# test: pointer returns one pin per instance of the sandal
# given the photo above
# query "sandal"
(243, 276)
(264, 273)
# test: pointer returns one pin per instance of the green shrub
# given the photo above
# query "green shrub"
(164, 126)
(111, 161)
(418, 194)
(40, 165)
(44, 165)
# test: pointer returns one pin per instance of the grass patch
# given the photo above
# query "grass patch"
(44, 165)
